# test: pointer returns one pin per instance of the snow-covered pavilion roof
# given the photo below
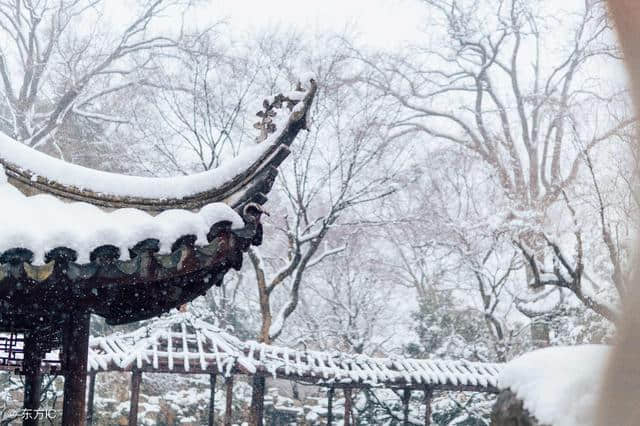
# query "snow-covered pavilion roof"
(183, 343)
(124, 247)
(83, 227)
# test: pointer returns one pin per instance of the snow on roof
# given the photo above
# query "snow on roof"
(185, 343)
(73, 175)
(41, 223)
(44, 222)
(557, 385)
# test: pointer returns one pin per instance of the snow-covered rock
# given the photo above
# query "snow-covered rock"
(558, 386)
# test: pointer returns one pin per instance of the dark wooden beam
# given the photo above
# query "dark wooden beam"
(92, 391)
(256, 414)
(119, 291)
(330, 393)
(212, 398)
(32, 379)
(75, 353)
(428, 396)
(308, 380)
(228, 407)
(347, 406)
(406, 397)
(136, 379)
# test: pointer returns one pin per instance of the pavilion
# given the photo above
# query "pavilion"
(76, 241)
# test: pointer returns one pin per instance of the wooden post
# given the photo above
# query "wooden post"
(136, 379)
(406, 397)
(347, 407)
(428, 395)
(229, 401)
(92, 390)
(212, 398)
(32, 379)
(330, 406)
(75, 354)
(256, 416)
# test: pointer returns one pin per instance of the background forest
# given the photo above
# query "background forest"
(464, 193)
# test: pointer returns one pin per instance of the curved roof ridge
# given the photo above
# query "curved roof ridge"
(251, 173)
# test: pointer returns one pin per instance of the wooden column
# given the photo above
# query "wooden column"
(347, 407)
(256, 415)
(406, 397)
(75, 350)
(212, 398)
(229, 401)
(136, 379)
(330, 406)
(32, 379)
(92, 390)
(428, 395)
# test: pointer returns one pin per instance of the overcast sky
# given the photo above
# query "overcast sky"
(381, 23)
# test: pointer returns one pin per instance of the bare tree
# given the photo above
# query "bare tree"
(193, 128)
(351, 173)
(51, 70)
(602, 212)
(446, 250)
(346, 304)
(493, 85)
(342, 166)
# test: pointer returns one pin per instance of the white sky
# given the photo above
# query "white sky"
(380, 23)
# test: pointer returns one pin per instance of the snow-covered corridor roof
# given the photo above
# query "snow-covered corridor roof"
(185, 344)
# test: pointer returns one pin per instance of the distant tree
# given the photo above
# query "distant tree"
(346, 304)
(60, 59)
(204, 122)
(492, 80)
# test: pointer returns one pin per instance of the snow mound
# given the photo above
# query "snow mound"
(558, 385)
(41, 223)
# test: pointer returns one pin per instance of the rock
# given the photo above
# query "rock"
(509, 411)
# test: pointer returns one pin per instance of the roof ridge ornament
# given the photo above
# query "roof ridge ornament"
(266, 125)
